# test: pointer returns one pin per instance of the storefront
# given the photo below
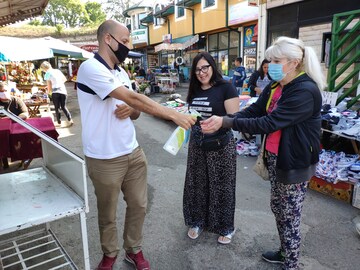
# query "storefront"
(224, 47)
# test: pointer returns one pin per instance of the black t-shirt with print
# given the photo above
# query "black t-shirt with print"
(211, 101)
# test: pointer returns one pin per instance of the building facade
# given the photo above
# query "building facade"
(178, 30)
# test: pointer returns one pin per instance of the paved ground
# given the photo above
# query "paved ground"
(329, 241)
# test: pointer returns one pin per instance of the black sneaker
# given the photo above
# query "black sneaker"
(273, 257)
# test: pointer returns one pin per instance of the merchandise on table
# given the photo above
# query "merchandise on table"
(334, 167)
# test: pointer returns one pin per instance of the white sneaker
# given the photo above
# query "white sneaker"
(70, 123)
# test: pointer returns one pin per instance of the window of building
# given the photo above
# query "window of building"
(208, 4)
(157, 20)
(142, 16)
(224, 47)
(213, 42)
(179, 9)
(223, 40)
(134, 22)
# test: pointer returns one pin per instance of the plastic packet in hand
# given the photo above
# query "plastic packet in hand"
(179, 137)
(195, 113)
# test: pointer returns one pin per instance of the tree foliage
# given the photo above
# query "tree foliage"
(72, 13)
(95, 12)
(115, 8)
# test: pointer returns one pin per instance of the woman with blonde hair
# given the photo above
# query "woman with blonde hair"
(56, 86)
(288, 111)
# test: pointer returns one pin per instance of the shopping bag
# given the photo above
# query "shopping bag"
(260, 166)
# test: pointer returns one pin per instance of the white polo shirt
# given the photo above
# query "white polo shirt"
(104, 136)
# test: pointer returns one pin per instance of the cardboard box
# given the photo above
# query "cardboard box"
(341, 191)
(356, 196)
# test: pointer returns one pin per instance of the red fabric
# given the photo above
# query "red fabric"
(5, 125)
(26, 145)
(273, 139)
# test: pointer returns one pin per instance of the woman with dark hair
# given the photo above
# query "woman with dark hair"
(259, 79)
(209, 191)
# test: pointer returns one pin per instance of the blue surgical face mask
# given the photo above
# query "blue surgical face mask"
(276, 72)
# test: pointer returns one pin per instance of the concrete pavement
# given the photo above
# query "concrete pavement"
(330, 240)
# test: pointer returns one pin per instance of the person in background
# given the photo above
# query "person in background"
(141, 72)
(114, 159)
(150, 78)
(288, 110)
(56, 86)
(17, 107)
(210, 181)
(74, 75)
(259, 79)
(239, 75)
(12, 103)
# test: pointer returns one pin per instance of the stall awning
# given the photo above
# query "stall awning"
(12, 11)
(20, 49)
(60, 47)
(180, 45)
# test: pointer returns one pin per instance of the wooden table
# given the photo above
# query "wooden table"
(34, 106)
(26, 88)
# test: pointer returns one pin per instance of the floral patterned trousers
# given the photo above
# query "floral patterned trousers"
(286, 203)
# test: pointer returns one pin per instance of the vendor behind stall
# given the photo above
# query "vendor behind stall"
(17, 107)
(12, 103)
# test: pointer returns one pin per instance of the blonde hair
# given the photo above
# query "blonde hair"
(45, 65)
(294, 49)
(4, 87)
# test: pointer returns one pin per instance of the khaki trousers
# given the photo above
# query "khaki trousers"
(129, 174)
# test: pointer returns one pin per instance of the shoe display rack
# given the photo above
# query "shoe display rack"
(341, 189)
(36, 197)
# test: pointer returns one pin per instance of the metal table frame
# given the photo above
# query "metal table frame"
(39, 196)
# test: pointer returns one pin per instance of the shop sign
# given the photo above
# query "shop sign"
(167, 38)
(242, 12)
(253, 3)
(248, 36)
(139, 36)
(90, 48)
(250, 51)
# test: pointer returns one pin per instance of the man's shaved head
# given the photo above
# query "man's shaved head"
(109, 26)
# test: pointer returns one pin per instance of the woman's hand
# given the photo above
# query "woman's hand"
(211, 124)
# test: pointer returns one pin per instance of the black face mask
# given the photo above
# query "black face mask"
(122, 52)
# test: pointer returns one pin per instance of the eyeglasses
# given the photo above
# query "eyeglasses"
(203, 69)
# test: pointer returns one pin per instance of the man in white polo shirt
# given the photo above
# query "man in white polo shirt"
(115, 161)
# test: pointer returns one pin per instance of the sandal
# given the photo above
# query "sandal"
(226, 239)
(194, 232)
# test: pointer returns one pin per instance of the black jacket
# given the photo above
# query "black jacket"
(298, 117)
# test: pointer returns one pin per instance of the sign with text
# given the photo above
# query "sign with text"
(139, 36)
(90, 48)
(242, 12)
(167, 38)
(253, 3)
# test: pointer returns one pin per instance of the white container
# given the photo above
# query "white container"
(176, 140)
(356, 196)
